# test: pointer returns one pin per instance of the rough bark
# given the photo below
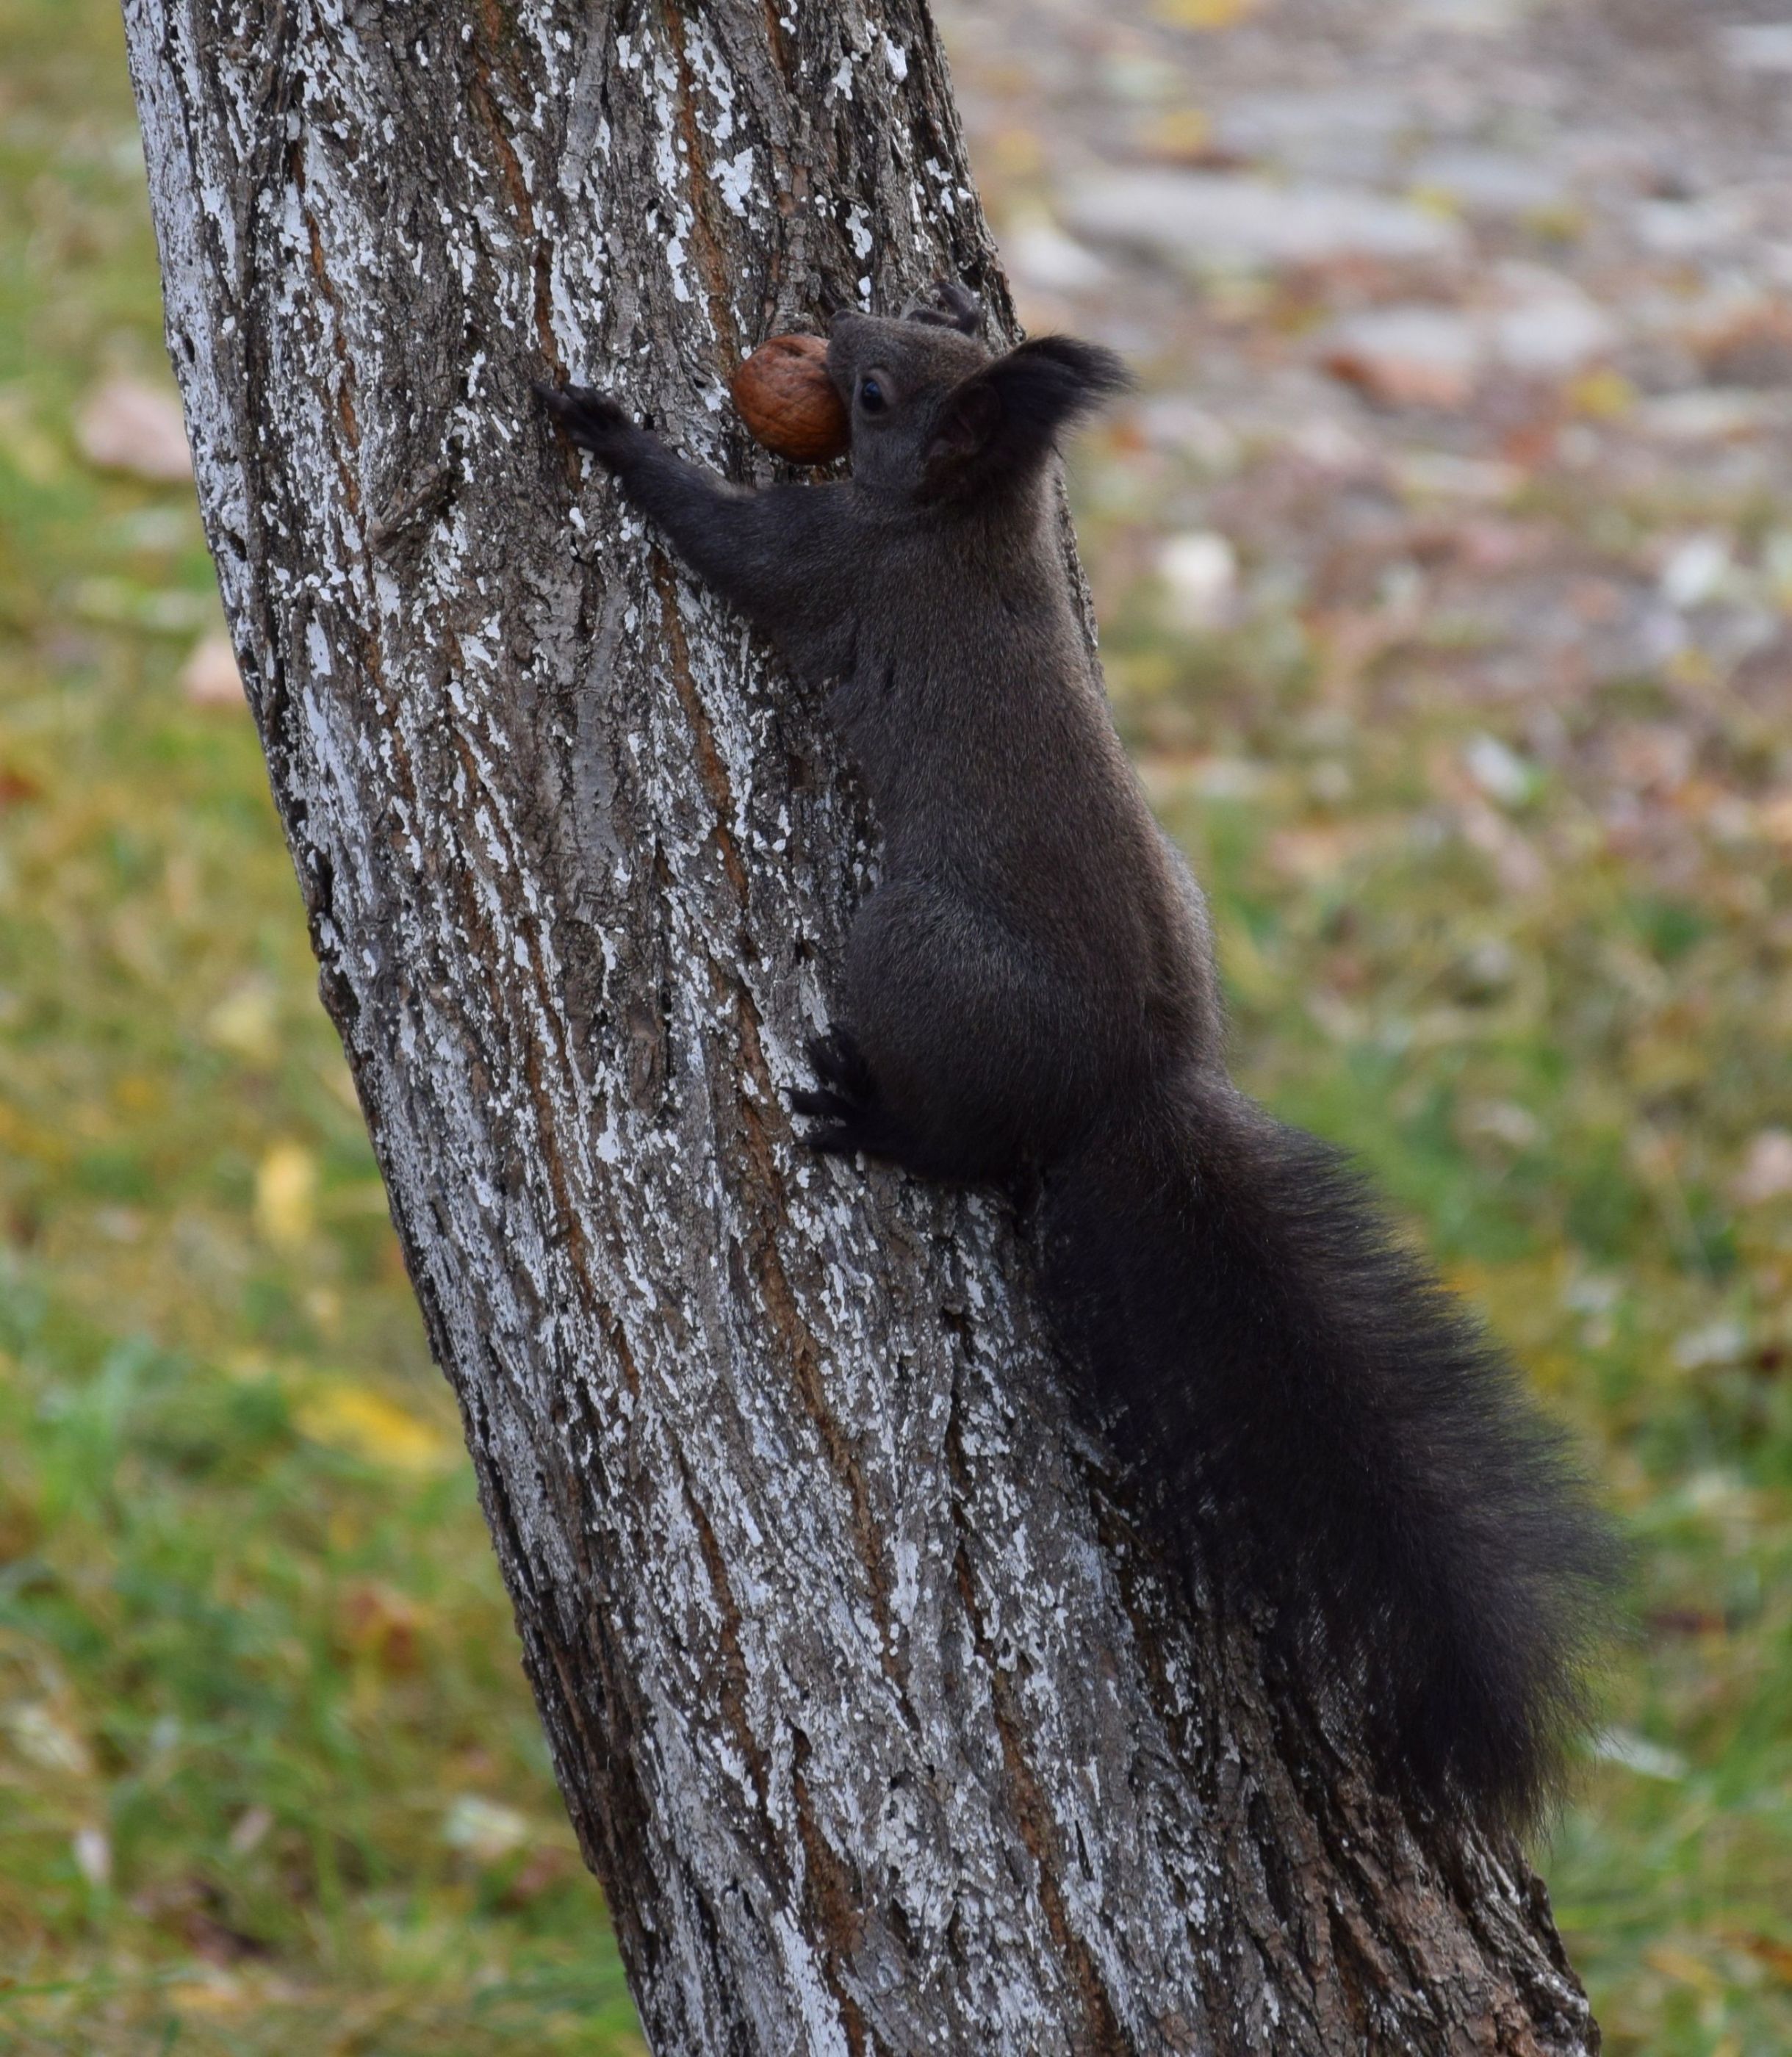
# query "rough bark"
(875, 1729)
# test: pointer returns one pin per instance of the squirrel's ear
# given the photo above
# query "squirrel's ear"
(1008, 415)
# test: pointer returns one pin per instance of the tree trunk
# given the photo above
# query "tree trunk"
(878, 1733)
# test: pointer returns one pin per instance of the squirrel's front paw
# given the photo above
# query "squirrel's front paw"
(593, 419)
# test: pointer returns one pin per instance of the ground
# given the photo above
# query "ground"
(1444, 563)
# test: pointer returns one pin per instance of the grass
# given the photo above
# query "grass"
(270, 1778)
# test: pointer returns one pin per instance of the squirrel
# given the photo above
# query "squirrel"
(1031, 1001)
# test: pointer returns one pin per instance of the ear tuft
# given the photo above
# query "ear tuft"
(1003, 420)
(952, 305)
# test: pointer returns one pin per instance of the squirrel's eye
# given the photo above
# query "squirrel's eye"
(871, 397)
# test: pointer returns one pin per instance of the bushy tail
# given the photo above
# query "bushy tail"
(1314, 1417)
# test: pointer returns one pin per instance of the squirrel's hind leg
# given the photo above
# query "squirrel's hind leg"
(971, 1059)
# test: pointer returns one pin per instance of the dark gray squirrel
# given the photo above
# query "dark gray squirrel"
(1029, 999)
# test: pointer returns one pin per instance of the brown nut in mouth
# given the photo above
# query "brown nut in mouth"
(789, 403)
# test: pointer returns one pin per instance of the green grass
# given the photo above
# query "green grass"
(270, 1778)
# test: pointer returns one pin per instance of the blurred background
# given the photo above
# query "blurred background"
(1444, 563)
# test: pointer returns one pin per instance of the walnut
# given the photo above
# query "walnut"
(788, 402)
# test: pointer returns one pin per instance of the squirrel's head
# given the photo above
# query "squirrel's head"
(936, 418)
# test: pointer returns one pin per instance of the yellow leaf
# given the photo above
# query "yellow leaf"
(1180, 132)
(243, 1022)
(1604, 394)
(41, 1734)
(1438, 200)
(33, 454)
(1559, 221)
(347, 1417)
(1682, 1968)
(286, 1195)
(1203, 13)
(219, 1993)
(1017, 152)
(1775, 818)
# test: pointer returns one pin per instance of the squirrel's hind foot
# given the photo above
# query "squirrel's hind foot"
(846, 1114)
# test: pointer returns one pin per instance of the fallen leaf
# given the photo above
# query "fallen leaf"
(1204, 14)
(286, 1195)
(245, 1022)
(92, 1856)
(40, 1734)
(347, 1417)
(1766, 1171)
(380, 1623)
(541, 1871)
(1407, 356)
(1199, 570)
(486, 1830)
(209, 677)
(1767, 1950)
(128, 425)
(250, 1829)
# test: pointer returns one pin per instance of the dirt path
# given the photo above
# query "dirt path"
(1463, 321)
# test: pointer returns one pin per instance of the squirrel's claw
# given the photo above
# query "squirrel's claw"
(591, 419)
(842, 1105)
(840, 1064)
